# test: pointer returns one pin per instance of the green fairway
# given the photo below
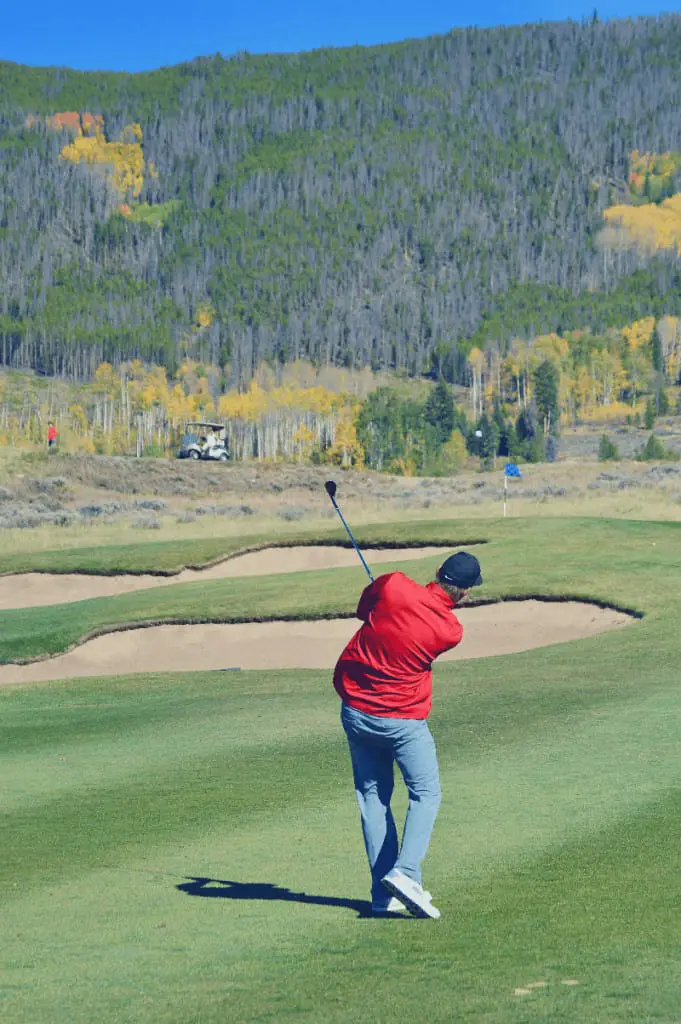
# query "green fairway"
(186, 848)
(170, 556)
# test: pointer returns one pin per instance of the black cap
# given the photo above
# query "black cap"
(460, 570)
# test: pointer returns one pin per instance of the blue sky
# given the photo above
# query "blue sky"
(81, 34)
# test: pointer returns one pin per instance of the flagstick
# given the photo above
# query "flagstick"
(505, 492)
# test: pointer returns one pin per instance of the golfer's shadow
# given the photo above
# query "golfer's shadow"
(221, 889)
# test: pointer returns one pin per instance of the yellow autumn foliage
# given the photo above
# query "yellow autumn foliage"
(121, 162)
(616, 412)
(639, 333)
(205, 315)
(346, 450)
(248, 406)
(304, 440)
(649, 226)
(553, 347)
(79, 422)
(106, 380)
(255, 403)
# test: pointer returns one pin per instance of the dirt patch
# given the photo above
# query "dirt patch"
(504, 628)
(30, 590)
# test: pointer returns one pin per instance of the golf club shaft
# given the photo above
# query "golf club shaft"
(354, 542)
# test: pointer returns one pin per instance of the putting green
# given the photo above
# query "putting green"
(185, 848)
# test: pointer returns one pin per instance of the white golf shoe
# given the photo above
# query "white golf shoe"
(415, 898)
(390, 905)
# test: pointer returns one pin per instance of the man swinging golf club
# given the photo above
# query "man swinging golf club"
(384, 679)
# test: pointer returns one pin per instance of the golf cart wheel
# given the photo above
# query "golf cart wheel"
(223, 457)
(194, 455)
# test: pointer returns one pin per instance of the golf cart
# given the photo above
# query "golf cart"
(205, 441)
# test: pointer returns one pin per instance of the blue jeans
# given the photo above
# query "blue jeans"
(375, 744)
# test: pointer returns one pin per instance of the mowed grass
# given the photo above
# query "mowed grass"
(166, 557)
(186, 848)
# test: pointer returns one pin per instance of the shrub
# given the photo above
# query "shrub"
(654, 451)
(224, 510)
(534, 450)
(607, 451)
(291, 514)
(152, 505)
(49, 484)
(107, 508)
(146, 523)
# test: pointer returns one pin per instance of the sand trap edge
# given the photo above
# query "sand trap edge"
(387, 545)
(124, 627)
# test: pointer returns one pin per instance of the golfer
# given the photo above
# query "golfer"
(384, 679)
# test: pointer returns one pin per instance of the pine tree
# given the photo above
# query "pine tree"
(439, 412)
(607, 451)
(658, 358)
(489, 442)
(509, 445)
(649, 417)
(526, 424)
(546, 395)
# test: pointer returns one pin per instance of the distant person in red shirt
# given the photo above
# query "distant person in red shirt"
(51, 435)
(384, 679)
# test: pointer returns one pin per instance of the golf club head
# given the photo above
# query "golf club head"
(330, 487)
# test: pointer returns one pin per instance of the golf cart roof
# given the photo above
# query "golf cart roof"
(203, 423)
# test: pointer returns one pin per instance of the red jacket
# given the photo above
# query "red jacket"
(386, 669)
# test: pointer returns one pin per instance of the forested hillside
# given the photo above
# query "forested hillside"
(396, 206)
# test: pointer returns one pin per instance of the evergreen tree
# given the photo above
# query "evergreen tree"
(380, 429)
(654, 451)
(509, 445)
(658, 359)
(526, 424)
(546, 381)
(439, 412)
(535, 448)
(661, 399)
(499, 419)
(489, 442)
(551, 448)
(649, 416)
(607, 451)
(278, 198)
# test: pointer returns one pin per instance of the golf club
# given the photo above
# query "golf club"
(330, 487)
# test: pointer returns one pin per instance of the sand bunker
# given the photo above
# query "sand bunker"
(29, 590)
(502, 628)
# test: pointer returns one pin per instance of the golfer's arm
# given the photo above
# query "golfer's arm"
(456, 634)
(370, 596)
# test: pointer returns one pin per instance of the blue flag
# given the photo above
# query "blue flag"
(512, 470)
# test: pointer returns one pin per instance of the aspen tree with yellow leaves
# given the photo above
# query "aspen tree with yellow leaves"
(122, 162)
